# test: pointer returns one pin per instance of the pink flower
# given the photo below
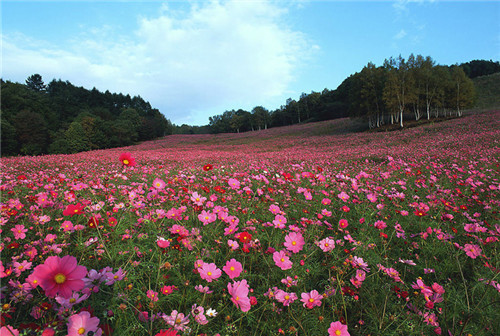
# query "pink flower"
(285, 298)
(209, 272)
(343, 223)
(239, 294)
(19, 232)
(20, 267)
(126, 159)
(162, 242)
(82, 324)
(343, 196)
(207, 217)
(294, 242)
(60, 276)
(168, 290)
(234, 183)
(176, 320)
(472, 251)
(338, 329)
(233, 268)
(152, 295)
(158, 183)
(282, 260)
(380, 225)
(8, 331)
(279, 221)
(311, 299)
(327, 244)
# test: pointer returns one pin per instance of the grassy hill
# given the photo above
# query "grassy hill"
(488, 91)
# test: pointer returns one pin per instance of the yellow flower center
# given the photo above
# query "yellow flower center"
(178, 321)
(287, 297)
(231, 268)
(59, 278)
(294, 243)
(209, 273)
(311, 300)
(125, 162)
(81, 331)
(237, 298)
(72, 300)
(282, 259)
(338, 332)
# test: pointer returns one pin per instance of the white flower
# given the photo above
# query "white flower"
(211, 312)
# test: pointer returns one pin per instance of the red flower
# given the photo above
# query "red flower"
(244, 237)
(93, 222)
(72, 210)
(207, 167)
(126, 159)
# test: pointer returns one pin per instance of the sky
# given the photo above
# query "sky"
(195, 59)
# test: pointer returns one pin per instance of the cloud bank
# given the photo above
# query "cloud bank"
(189, 63)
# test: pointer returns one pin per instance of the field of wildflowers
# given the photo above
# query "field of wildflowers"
(276, 232)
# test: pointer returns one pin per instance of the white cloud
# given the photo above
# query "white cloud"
(214, 56)
(402, 33)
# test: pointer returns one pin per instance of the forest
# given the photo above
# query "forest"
(64, 118)
(61, 118)
(401, 88)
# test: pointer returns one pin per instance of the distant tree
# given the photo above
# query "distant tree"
(9, 143)
(478, 68)
(372, 80)
(31, 130)
(35, 83)
(76, 138)
(398, 88)
(464, 89)
(261, 117)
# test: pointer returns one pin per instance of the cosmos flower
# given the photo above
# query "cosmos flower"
(233, 268)
(338, 329)
(60, 276)
(82, 323)
(126, 159)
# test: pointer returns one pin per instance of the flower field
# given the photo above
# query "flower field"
(301, 230)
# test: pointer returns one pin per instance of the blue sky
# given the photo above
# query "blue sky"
(195, 59)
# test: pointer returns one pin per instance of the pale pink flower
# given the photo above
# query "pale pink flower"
(343, 196)
(311, 299)
(158, 183)
(234, 183)
(285, 298)
(327, 244)
(233, 268)
(82, 323)
(209, 272)
(239, 294)
(207, 217)
(282, 260)
(294, 242)
(176, 320)
(9, 331)
(20, 267)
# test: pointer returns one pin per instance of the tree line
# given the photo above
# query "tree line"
(399, 89)
(62, 118)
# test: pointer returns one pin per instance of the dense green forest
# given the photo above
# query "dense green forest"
(399, 89)
(62, 118)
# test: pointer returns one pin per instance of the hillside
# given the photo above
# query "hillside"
(488, 91)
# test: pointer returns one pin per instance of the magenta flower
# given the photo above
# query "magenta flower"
(233, 268)
(9, 331)
(294, 242)
(472, 250)
(239, 294)
(343, 223)
(282, 260)
(311, 299)
(209, 272)
(82, 324)
(234, 183)
(279, 221)
(338, 329)
(60, 276)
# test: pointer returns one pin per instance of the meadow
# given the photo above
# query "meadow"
(300, 230)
